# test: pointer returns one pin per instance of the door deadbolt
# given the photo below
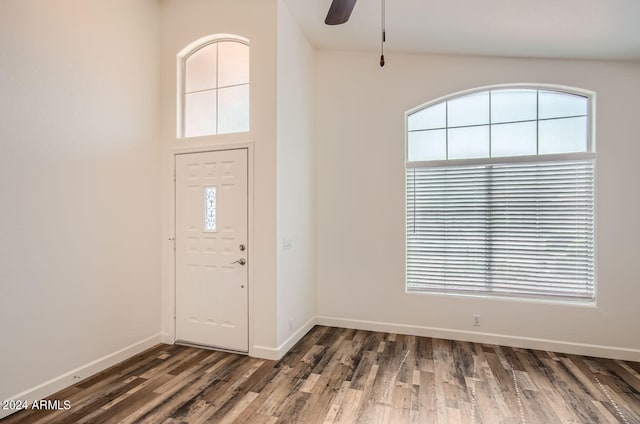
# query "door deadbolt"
(242, 247)
(240, 261)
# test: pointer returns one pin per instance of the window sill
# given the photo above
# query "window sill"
(581, 303)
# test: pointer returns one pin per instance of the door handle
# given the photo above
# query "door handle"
(240, 261)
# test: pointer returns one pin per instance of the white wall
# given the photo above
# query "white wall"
(181, 23)
(79, 170)
(296, 288)
(360, 202)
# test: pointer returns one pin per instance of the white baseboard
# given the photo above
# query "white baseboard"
(56, 384)
(166, 338)
(295, 337)
(489, 338)
(277, 353)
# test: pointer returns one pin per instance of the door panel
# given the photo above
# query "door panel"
(211, 240)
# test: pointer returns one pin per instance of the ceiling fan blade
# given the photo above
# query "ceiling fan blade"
(339, 12)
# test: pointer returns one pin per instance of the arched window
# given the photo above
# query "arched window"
(214, 87)
(500, 193)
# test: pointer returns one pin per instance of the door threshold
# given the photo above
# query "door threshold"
(201, 346)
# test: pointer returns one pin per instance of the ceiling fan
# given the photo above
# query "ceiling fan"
(340, 11)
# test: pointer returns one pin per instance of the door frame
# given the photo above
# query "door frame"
(171, 265)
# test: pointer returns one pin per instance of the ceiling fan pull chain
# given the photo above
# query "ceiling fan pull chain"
(384, 36)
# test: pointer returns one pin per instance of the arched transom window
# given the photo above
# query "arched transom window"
(215, 88)
(500, 123)
(500, 194)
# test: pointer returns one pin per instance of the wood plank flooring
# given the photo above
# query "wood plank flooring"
(347, 376)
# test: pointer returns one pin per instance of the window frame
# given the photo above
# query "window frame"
(182, 57)
(590, 154)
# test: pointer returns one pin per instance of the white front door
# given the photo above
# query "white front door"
(211, 249)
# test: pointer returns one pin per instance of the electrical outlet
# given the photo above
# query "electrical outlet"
(475, 320)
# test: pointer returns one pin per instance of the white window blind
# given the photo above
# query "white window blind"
(516, 229)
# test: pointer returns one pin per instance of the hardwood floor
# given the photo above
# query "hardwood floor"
(349, 376)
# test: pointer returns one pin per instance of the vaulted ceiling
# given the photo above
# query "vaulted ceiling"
(581, 29)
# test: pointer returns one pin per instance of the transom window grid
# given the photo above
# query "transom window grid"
(215, 88)
(519, 225)
(483, 125)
